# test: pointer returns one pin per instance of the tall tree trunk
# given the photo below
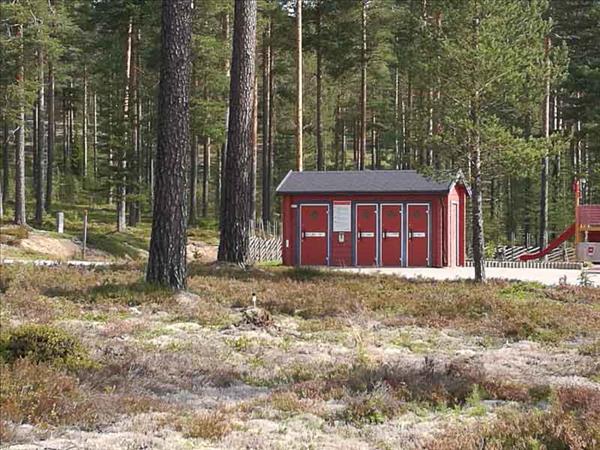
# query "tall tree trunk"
(237, 192)
(5, 159)
(122, 184)
(266, 125)
(363, 89)
(167, 258)
(134, 160)
(272, 128)
(408, 120)
(543, 236)
(254, 145)
(34, 148)
(95, 134)
(397, 162)
(51, 137)
(343, 149)
(71, 119)
(477, 194)
(223, 151)
(476, 180)
(205, 176)
(299, 108)
(373, 146)
(319, 127)
(111, 153)
(40, 163)
(65, 139)
(84, 126)
(193, 211)
(336, 137)
(20, 214)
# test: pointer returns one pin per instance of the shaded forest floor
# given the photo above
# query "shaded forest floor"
(341, 361)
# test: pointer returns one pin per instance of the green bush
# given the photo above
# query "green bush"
(43, 344)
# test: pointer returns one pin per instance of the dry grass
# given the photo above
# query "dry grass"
(331, 353)
(572, 422)
(41, 395)
(501, 309)
(210, 425)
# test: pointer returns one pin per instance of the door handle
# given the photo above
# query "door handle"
(384, 235)
(359, 234)
(303, 235)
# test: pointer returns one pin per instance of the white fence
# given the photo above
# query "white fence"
(265, 242)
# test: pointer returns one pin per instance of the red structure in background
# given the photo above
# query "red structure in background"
(387, 218)
(586, 230)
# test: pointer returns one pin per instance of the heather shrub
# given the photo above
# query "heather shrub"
(43, 344)
(371, 408)
(572, 422)
(39, 394)
(210, 425)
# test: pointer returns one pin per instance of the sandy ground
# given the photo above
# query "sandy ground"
(42, 243)
(547, 277)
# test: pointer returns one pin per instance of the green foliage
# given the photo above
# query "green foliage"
(429, 46)
(43, 344)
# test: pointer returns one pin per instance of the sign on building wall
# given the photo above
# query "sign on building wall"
(342, 216)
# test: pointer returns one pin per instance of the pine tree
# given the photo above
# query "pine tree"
(236, 212)
(167, 258)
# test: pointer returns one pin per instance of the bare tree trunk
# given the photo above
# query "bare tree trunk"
(40, 162)
(254, 145)
(319, 127)
(84, 126)
(111, 153)
(477, 194)
(363, 89)
(205, 176)
(5, 158)
(34, 148)
(223, 156)
(20, 214)
(95, 134)
(299, 108)
(336, 136)
(167, 258)
(122, 188)
(193, 211)
(272, 128)
(356, 144)
(51, 137)
(410, 160)
(266, 125)
(135, 155)
(476, 179)
(397, 162)
(71, 119)
(543, 236)
(237, 191)
(373, 146)
(64, 131)
(343, 149)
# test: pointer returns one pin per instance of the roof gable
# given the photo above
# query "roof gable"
(365, 181)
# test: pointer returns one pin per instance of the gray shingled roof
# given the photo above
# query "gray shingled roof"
(364, 181)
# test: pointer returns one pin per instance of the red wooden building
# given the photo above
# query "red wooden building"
(390, 218)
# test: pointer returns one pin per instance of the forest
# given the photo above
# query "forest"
(386, 84)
